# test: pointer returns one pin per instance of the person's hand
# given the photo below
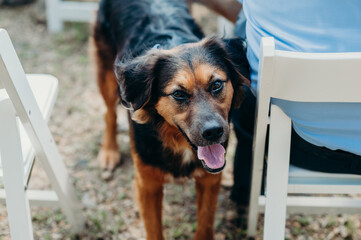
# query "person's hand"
(227, 8)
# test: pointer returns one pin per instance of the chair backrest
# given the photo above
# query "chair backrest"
(303, 77)
(310, 77)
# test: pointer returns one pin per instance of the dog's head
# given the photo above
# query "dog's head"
(192, 87)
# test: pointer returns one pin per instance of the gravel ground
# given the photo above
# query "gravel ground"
(77, 125)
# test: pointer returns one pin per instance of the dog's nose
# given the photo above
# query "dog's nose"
(212, 131)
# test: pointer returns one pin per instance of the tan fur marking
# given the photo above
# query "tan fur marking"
(198, 173)
(188, 156)
(226, 102)
(184, 78)
(140, 116)
(172, 138)
(204, 72)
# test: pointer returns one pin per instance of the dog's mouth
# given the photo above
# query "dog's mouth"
(212, 157)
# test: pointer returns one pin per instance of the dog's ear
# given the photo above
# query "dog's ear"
(135, 79)
(236, 49)
(232, 53)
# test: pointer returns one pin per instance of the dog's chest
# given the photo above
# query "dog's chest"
(196, 173)
(188, 156)
(165, 149)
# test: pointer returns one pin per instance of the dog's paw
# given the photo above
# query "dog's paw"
(109, 159)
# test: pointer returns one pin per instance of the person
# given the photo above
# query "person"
(326, 136)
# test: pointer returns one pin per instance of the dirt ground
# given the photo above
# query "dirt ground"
(77, 125)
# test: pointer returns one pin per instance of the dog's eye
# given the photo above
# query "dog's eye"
(216, 86)
(179, 95)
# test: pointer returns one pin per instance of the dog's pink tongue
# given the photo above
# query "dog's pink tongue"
(213, 155)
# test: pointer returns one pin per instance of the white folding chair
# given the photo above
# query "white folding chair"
(60, 11)
(25, 105)
(302, 77)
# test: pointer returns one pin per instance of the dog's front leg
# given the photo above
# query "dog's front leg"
(207, 188)
(109, 155)
(149, 196)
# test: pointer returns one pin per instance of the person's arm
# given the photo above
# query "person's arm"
(227, 8)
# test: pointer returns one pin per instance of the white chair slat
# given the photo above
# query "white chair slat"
(297, 172)
(45, 88)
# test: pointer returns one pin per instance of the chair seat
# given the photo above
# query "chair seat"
(296, 172)
(45, 88)
(305, 181)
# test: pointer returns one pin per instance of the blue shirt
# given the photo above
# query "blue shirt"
(310, 26)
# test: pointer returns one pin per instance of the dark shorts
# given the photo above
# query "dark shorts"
(303, 153)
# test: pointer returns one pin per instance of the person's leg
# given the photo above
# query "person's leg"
(309, 156)
(303, 154)
(243, 121)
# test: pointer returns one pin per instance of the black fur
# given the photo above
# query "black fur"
(134, 26)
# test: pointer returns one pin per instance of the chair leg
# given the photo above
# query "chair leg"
(55, 169)
(253, 203)
(13, 174)
(257, 172)
(54, 21)
(277, 175)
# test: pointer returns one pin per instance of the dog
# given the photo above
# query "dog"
(179, 89)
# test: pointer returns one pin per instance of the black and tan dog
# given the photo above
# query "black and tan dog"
(179, 89)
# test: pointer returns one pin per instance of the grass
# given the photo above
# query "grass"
(332, 221)
(303, 221)
(95, 223)
(350, 226)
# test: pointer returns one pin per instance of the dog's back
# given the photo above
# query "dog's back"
(132, 26)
